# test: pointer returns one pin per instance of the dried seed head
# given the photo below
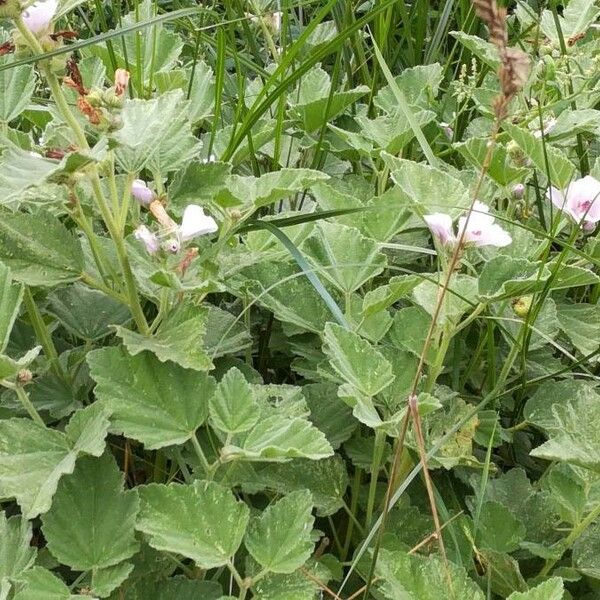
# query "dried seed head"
(495, 18)
(513, 71)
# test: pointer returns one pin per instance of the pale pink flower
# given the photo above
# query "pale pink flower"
(518, 191)
(141, 192)
(479, 230)
(121, 81)
(149, 239)
(195, 223)
(38, 16)
(581, 200)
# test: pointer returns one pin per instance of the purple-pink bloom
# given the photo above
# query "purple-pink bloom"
(581, 201)
(149, 239)
(141, 192)
(38, 16)
(479, 229)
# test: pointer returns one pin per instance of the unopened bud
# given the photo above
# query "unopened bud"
(121, 81)
(521, 306)
(141, 192)
(24, 376)
(518, 191)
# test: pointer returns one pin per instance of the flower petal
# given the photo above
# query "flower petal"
(37, 17)
(149, 240)
(440, 225)
(195, 222)
(141, 192)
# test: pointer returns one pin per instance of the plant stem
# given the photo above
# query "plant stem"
(23, 397)
(378, 449)
(208, 469)
(42, 334)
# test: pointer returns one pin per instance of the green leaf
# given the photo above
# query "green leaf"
(10, 367)
(505, 277)
(198, 183)
(268, 188)
(561, 169)
(356, 361)
(571, 419)
(16, 552)
(499, 529)
(91, 522)
(279, 438)
(175, 588)
(11, 295)
(576, 18)
(202, 521)
(159, 404)
(484, 51)
(385, 295)
(343, 256)
(39, 249)
(177, 339)
(280, 538)
(581, 324)
(233, 407)
(17, 85)
(572, 122)
(415, 577)
(312, 105)
(40, 584)
(551, 589)
(86, 313)
(225, 333)
(586, 552)
(409, 330)
(105, 581)
(34, 458)
(431, 189)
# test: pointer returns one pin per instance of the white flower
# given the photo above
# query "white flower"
(141, 192)
(38, 16)
(479, 230)
(549, 125)
(581, 200)
(149, 240)
(195, 223)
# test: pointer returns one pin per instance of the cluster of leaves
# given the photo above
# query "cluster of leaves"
(225, 418)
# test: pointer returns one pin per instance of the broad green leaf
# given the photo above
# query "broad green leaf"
(105, 581)
(568, 490)
(10, 367)
(39, 249)
(312, 105)
(91, 522)
(561, 169)
(569, 276)
(572, 122)
(225, 334)
(17, 85)
(483, 50)
(581, 324)
(11, 295)
(233, 407)
(356, 361)
(34, 458)
(16, 552)
(279, 438)
(571, 418)
(586, 552)
(40, 584)
(280, 538)
(147, 129)
(385, 295)
(177, 339)
(552, 589)
(343, 256)
(175, 588)
(409, 330)
(415, 577)
(202, 521)
(268, 188)
(429, 188)
(499, 529)
(503, 572)
(419, 84)
(159, 404)
(576, 18)
(197, 183)
(505, 277)
(86, 313)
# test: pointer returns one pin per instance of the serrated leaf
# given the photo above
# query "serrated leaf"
(344, 256)
(586, 552)
(10, 367)
(233, 407)
(384, 296)
(16, 552)
(40, 584)
(91, 522)
(581, 324)
(505, 277)
(225, 333)
(280, 539)
(268, 188)
(415, 577)
(17, 85)
(86, 313)
(198, 182)
(159, 404)
(34, 458)
(175, 588)
(11, 295)
(409, 330)
(482, 49)
(39, 249)
(576, 18)
(499, 529)
(202, 521)
(561, 169)
(552, 589)
(279, 438)
(356, 361)
(104, 581)
(177, 339)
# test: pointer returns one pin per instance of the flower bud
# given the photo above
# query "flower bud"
(121, 81)
(521, 306)
(518, 191)
(150, 241)
(141, 192)
(172, 245)
(39, 15)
